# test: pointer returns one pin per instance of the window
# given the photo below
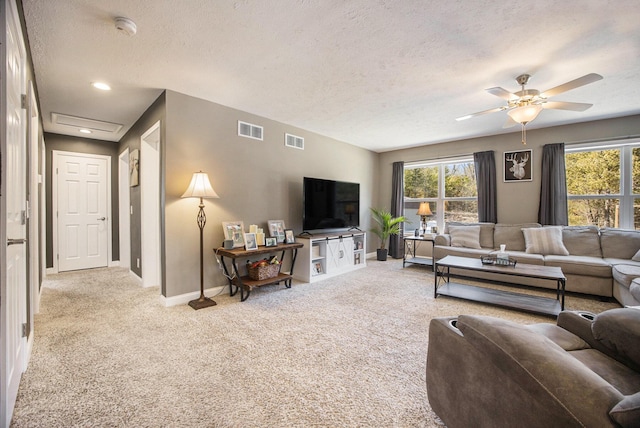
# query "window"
(603, 184)
(448, 185)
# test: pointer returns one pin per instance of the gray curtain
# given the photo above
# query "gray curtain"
(553, 188)
(396, 244)
(485, 165)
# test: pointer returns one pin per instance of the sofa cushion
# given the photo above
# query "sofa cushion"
(619, 243)
(511, 235)
(544, 240)
(624, 274)
(627, 411)
(582, 240)
(636, 256)
(619, 330)
(558, 335)
(580, 265)
(486, 231)
(634, 288)
(465, 236)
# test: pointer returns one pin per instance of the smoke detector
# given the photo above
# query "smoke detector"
(126, 26)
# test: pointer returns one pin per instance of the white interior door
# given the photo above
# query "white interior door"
(14, 288)
(150, 206)
(82, 195)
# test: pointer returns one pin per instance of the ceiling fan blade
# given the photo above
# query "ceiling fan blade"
(576, 83)
(564, 105)
(480, 113)
(502, 93)
(509, 123)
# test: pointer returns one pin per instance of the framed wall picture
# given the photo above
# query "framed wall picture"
(276, 229)
(234, 230)
(250, 242)
(517, 166)
(134, 168)
(271, 242)
(289, 237)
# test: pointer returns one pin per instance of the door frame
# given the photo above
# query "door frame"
(12, 364)
(124, 209)
(150, 233)
(54, 203)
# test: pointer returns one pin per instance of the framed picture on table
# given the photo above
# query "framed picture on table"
(289, 237)
(250, 241)
(271, 242)
(234, 230)
(276, 229)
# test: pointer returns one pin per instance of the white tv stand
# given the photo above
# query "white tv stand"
(329, 254)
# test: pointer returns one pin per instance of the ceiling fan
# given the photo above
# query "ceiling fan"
(525, 105)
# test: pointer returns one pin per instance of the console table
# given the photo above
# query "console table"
(414, 241)
(245, 283)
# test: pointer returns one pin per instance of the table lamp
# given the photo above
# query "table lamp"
(200, 187)
(424, 211)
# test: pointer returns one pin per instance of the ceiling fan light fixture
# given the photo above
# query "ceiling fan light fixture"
(525, 114)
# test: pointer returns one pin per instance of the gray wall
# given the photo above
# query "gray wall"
(66, 143)
(156, 112)
(256, 180)
(517, 202)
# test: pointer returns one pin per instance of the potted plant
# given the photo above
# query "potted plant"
(386, 225)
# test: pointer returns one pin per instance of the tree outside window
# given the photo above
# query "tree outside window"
(448, 185)
(603, 186)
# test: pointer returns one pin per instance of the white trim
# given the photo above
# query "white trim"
(183, 299)
(124, 209)
(150, 187)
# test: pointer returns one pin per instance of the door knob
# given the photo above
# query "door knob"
(16, 241)
(102, 218)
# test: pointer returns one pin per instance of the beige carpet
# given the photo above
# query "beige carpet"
(344, 352)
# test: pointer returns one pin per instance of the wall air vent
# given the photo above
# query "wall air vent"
(294, 141)
(84, 123)
(250, 131)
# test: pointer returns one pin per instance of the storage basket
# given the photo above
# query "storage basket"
(264, 272)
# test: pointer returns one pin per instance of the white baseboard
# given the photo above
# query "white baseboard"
(136, 277)
(183, 299)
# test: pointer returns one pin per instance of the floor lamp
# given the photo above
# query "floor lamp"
(200, 187)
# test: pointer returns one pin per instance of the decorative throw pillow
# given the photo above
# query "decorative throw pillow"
(544, 240)
(627, 411)
(636, 256)
(465, 236)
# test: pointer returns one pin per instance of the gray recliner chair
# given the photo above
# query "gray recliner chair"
(583, 371)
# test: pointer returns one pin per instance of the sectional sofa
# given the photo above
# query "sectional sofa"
(602, 262)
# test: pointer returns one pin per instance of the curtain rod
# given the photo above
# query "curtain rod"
(601, 140)
(462, 155)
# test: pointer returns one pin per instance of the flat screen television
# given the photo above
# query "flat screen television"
(330, 204)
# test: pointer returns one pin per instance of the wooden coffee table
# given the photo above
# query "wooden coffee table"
(541, 305)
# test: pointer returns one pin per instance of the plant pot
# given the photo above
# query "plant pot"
(382, 254)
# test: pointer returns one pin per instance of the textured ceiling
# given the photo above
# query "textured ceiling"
(376, 74)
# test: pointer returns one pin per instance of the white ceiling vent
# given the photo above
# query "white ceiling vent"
(294, 141)
(250, 131)
(83, 123)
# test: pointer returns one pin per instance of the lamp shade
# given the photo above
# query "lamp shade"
(200, 187)
(424, 209)
(525, 114)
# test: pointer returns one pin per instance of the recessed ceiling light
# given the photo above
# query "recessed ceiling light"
(101, 85)
(85, 131)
